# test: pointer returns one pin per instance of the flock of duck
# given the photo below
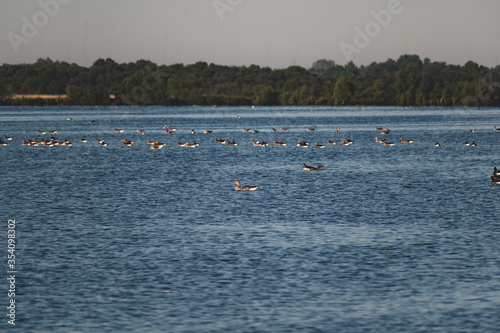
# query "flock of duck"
(170, 130)
(495, 178)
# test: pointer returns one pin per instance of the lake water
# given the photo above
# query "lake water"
(402, 238)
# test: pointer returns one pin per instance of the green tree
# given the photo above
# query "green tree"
(344, 91)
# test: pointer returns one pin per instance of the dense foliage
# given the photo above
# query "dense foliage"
(408, 81)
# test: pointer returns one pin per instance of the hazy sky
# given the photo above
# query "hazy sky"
(275, 33)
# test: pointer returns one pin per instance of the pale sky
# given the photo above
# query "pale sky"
(274, 33)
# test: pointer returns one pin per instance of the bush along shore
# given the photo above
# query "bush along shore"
(407, 81)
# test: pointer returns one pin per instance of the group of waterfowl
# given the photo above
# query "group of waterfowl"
(170, 130)
(226, 142)
(437, 144)
(156, 144)
(47, 143)
(6, 138)
(495, 178)
(187, 144)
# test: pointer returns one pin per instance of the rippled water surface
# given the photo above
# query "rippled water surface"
(402, 238)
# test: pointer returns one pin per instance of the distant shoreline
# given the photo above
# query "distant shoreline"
(407, 81)
(41, 96)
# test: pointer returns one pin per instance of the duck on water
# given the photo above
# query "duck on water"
(244, 188)
(310, 168)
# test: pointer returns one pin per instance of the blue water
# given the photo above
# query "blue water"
(128, 239)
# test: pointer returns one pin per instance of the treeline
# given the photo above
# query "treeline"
(407, 81)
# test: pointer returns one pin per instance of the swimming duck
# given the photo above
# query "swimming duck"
(405, 141)
(495, 180)
(246, 129)
(244, 188)
(53, 132)
(260, 143)
(8, 138)
(437, 144)
(83, 140)
(69, 118)
(496, 172)
(337, 129)
(157, 145)
(347, 142)
(472, 131)
(141, 131)
(169, 129)
(310, 168)
(284, 129)
(386, 131)
(317, 145)
(466, 143)
(179, 144)
(473, 144)
(42, 132)
(118, 130)
(331, 142)
(303, 144)
(104, 144)
(192, 131)
(496, 129)
(279, 143)
(127, 143)
(192, 145)
(232, 143)
(255, 131)
(3, 143)
(275, 130)
(387, 143)
(221, 141)
(310, 129)
(206, 131)
(378, 128)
